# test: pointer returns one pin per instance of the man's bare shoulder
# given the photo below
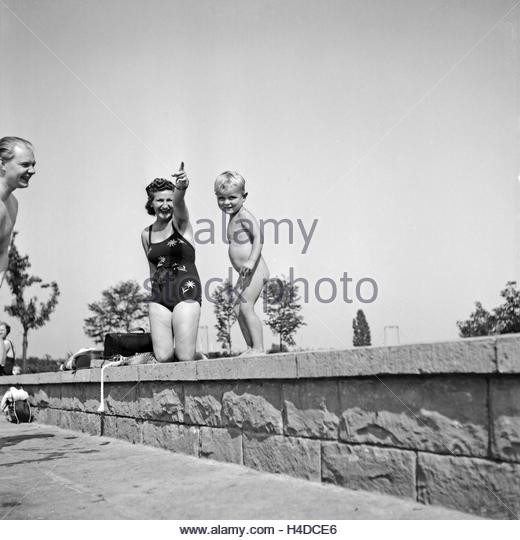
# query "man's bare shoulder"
(8, 213)
(10, 205)
(4, 210)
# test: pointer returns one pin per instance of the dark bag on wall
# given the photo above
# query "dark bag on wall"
(127, 344)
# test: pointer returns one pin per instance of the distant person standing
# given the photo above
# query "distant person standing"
(7, 362)
(16, 169)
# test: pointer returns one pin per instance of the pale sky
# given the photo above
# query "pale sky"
(395, 124)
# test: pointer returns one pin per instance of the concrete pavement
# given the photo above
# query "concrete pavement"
(50, 473)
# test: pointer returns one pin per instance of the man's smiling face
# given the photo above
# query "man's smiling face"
(19, 169)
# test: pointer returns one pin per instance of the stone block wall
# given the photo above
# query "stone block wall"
(438, 423)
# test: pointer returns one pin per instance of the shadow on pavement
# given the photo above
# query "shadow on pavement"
(10, 441)
(49, 457)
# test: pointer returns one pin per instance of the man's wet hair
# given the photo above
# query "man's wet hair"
(7, 145)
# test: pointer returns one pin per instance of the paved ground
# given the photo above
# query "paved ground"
(50, 473)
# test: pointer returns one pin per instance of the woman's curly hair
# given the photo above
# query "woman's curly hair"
(158, 184)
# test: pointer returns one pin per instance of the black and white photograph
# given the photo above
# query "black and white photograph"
(259, 265)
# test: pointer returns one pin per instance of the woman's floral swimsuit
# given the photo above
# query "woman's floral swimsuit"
(176, 278)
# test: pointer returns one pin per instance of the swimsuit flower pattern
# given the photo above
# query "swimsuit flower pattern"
(176, 278)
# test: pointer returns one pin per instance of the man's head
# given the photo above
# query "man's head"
(16, 161)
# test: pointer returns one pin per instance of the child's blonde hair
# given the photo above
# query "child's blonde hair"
(229, 179)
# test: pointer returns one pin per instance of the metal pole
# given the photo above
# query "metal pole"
(392, 335)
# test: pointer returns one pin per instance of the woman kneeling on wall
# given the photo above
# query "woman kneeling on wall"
(176, 297)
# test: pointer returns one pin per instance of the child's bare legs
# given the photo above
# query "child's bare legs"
(243, 326)
(249, 322)
(241, 286)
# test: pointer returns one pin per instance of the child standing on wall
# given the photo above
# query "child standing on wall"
(245, 252)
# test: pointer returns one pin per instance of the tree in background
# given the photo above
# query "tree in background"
(283, 310)
(223, 301)
(122, 307)
(508, 314)
(32, 314)
(504, 319)
(361, 330)
(480, 323)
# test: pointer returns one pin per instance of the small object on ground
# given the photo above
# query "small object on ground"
(15, 405)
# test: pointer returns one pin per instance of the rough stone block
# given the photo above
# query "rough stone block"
(349, 363)
(61, 419)
(177, 438)
(121, 399)
(51, 377)
(92, 397)
(438, 414)
(221, 444)
(254, 407)
(49, 416)
(45, 395)
(10, 380)
(505, 414)
(370, 468)
(121, 374)
(40, 415)
(169, 371)
(95, 375)
(472, 485)
(30, 379)
(128, 429)
(311, 409)
(467, 356)
(203, 404)
(73, 397)
(508, 354)
(276, 366)
(475, 355)
(408, 359)
(161, 401)
(286, 455)
(85, 422)
(113, 374)
(70, 377)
